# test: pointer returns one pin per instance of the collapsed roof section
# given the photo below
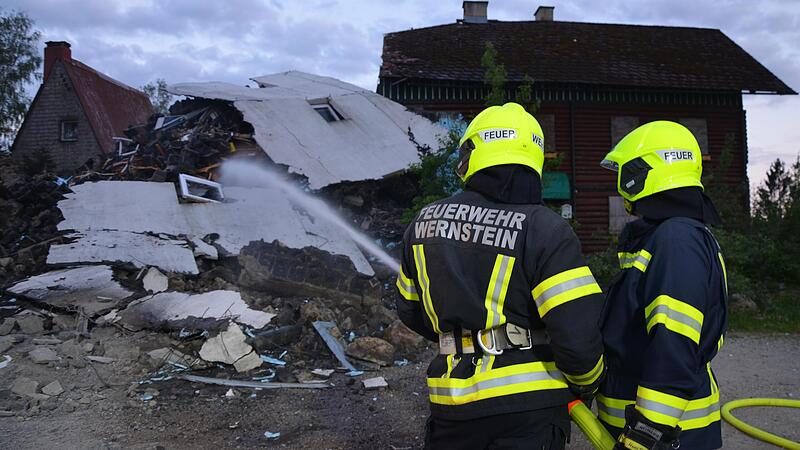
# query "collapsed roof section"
(323, 128)
(142, 223)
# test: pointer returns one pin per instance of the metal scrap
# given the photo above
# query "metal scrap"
(250, 384)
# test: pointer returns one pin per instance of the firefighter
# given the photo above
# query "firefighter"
(498, 281)
(666, 311)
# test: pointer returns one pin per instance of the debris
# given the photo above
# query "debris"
(248, 362)
(154, 281)
(111, 317)
(326, 330)
(271, 360)
(401, 362)
(6, 360)
(403, 338)
(278, 269)
(371, 349)
(106, 229)
(199, 190)
(53, 389)
(46, 341)
(250, 384)
(30, 324)
(324, 373)
(375, 383)
(121, 351)
(230, 393)
(6, 342)
(203, 250)
(111, 246)
(276, 337)
(91, 288)
(166, 355)
(23, 387)
(99, 359)
(177, 309)
(271, 435)
(43, 355)
(7, 326)
(229, 347)
(372, 143)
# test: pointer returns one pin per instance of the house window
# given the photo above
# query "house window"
(621, 126)
(69, 130)
(327, 112)
(699, 129)
(617, 216)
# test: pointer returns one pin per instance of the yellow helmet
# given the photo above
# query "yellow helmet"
(655, 157)
(501, 135)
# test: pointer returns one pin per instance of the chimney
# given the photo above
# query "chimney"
(544, 13)
(55, 50)
(475, 12)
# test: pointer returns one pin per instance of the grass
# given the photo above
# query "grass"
(778, 313)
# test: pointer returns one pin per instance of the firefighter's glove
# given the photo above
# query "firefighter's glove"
(643, 434)
(585, 393)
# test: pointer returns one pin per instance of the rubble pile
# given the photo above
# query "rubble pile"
(194, 139)
(29, 219)
(122, 274)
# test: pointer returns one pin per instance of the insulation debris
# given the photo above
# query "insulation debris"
(176, 310)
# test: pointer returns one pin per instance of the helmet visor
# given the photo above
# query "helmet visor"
(610, 165)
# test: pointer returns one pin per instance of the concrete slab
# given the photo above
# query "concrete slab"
(138, 250)
(109, 230)
(91, 288)
(179, 309)
(370, 142)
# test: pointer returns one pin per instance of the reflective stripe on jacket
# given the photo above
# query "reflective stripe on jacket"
(473, 264)
(663, 323)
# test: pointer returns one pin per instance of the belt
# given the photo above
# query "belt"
(493, 341)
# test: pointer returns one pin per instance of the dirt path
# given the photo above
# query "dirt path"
(186, 415)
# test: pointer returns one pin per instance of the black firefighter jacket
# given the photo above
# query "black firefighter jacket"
(474, 264)
(662, 325)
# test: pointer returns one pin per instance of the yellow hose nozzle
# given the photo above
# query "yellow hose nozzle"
(588, 423)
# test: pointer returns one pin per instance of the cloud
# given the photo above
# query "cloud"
(137, 41)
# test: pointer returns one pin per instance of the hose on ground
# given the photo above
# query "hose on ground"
(757, 432)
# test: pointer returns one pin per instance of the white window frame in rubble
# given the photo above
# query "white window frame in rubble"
(185, 181)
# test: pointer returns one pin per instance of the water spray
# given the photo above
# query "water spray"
(242, 173)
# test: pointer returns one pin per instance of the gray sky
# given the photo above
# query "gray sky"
(136, 41)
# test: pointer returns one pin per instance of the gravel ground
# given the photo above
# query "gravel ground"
(186, 415)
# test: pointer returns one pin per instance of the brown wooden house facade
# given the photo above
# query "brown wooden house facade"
(595, 82)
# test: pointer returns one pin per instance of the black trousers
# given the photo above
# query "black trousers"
(541, 429)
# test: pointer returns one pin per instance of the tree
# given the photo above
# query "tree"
(19, 65)
(495, 76)
(159, 97)
(773, 195)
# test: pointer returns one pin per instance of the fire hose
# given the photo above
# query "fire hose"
(601, 439)
(757, 432)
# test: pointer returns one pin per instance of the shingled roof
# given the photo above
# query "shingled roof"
(110, 105)
(586, 53)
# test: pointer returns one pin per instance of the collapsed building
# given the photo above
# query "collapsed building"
(237, 272)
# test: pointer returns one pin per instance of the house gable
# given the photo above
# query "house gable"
(56, 102)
